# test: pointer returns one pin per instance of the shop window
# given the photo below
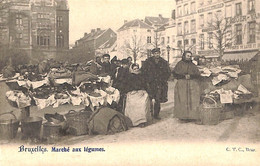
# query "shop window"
(238, 34)
(238, 9)
(251, 32)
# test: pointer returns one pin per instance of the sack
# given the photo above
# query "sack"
(107, 121)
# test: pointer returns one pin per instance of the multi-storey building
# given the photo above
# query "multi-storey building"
(37, 26)
(134, 39)
(239, 25)
(186, 24)
(95, 43)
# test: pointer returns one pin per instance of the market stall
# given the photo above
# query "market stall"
(228, 88)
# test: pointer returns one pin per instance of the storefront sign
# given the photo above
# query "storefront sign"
(243, 47)
(238, 19)
(207, 52)
(211, 8)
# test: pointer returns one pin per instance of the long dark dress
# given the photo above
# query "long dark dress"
(187, 91)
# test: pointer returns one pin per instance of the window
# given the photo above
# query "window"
(186, 42)
(238, 9)
(239, 34)
(179, 43)
(251, 32)
(210, 38)
(251, 6)
(60, 41)
(179, 11)
(173, 38)
(202, 41)
(210, 18)
(193, 26)
(162, 41)
(168, 39)
(149, 39)
(193, 7)
(186, 11)
(179, 29)
(186, 27)
(193, 41)
(148, 30)
(59, 21)
(201, 20)
(219, 15)
(43, 40)
(19, 35)
(228, 11)
(228, 37)
(19, 20)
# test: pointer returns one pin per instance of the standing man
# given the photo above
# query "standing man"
(156, 72)
(106, 66)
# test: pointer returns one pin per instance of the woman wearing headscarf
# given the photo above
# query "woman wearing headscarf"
(137, 105)
(187, 89)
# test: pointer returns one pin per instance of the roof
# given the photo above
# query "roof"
(239, 55)
(108, 43)
(93, 35)
(156, 20)
(135, 23)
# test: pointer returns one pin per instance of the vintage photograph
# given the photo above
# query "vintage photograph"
(132, 82)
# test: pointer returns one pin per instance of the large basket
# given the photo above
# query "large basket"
(8, 128)
(31, 127)
(210, 114)
(78, 122)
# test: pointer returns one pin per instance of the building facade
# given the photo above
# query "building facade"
(203, 24)
(135, 39)
(36, 26)
(95, 43)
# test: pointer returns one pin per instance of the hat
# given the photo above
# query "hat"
(106, 55)
(155, 50)
(124, 61)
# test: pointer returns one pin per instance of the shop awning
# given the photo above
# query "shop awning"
(239, 56)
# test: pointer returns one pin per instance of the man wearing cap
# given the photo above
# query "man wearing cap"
(156, 72)
(106, 66)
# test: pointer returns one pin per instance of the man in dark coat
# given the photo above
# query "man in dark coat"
(106, 66)
(156, 72)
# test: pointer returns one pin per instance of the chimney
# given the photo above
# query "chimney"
(98, 29)
(160, 15)
(173, 14)
(85, 34)
(142, 20)
(92, 30)
(125, 21)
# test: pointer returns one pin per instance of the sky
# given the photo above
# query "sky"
(91, 14)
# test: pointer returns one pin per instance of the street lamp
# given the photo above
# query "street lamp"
(168, 51)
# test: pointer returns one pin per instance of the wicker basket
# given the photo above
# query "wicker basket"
(78, 122)
(210, 114)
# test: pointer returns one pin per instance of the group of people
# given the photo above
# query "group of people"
(142, 90)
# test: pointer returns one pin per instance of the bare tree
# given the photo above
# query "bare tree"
(134, 47)
(220, 34)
